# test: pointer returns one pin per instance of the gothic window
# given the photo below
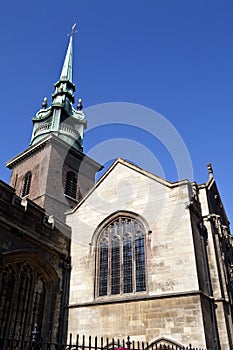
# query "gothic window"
(38, 305)
(71, 184)
(27, 184)
(121, 258)
(7, 285)
(22, 302)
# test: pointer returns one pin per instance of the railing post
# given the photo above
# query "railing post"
(128, 343)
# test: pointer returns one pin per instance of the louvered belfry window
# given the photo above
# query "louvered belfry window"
(121, 258)
(71, 184)
(27, 184)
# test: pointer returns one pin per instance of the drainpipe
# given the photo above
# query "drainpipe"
(204, 240)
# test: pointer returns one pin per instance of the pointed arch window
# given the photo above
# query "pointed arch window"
(27, 184)
(7, 285)
(21, 310)
(38, 305)
(71, 184)
(121, 258)
(22, 301)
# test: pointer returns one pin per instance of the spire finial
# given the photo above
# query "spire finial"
(66, 73)
(210, 171)
(73, 31)
(80, 104)
(45, 103)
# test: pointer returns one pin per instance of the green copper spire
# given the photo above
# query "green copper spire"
(61, 119)
(66, 73)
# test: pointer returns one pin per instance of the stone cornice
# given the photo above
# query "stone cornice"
(28, 152)
(139, 298)
(52, 139)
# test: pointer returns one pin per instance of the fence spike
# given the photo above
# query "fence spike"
(102, 343)
(118, 343)
(89, 343)
(96, 342)
(84, 343)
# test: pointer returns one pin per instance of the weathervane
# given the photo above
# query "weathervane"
(73, 31)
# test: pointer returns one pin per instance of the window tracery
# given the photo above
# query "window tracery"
(121, 257)
(7, 285)
(22, 302)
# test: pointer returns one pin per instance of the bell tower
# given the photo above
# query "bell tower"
(54, 172)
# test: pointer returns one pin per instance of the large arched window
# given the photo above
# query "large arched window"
(7, 287)
(26, 184)
(21, 310)
(121, 257)
(22, 302)
(38, 304)
(71, 184)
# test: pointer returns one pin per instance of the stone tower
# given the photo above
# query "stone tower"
(54, 172)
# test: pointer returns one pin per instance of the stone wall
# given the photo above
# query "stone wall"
(29, 238)
(175, 318)
(171, 305)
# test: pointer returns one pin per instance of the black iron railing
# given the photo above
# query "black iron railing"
(86, 343)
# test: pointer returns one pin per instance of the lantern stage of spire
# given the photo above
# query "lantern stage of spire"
(61, 118)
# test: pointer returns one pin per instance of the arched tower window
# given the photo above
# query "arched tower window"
(71, 184)
(27, 184)
(121, 257)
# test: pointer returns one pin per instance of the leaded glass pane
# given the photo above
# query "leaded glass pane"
(127, 266)
(38, 305)
(122, 258)
(115, 266)
(140, 264)
(103, 269)
(22, 305)
(6, 293)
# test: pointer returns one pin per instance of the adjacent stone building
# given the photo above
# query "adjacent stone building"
(150, 259)
(34, 272)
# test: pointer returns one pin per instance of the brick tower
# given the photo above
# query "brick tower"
(54, 172)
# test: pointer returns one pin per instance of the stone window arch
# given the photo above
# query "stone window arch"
(165, 344)
(120, 259)
(27, 184)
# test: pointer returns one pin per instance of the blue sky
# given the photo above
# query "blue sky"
(173, 56)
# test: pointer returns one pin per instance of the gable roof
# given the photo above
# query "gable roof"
(136, 168)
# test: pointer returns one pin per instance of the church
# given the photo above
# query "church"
(132, 254)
